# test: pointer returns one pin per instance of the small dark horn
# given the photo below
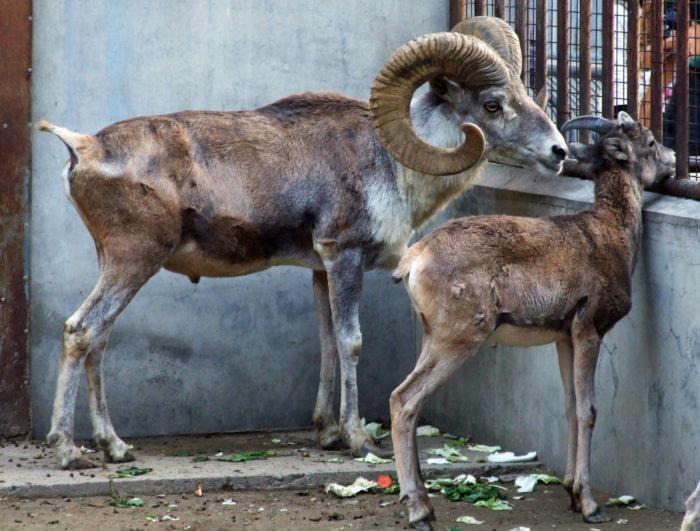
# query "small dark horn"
(594, 123)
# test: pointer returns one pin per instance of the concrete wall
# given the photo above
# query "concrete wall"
(243, 353)
(225, 354)
(647, 437)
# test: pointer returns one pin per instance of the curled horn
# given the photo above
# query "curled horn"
(594, 123)
(463, 58)
(499, 35)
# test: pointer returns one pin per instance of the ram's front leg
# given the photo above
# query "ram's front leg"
(328, 432)
(345, 267)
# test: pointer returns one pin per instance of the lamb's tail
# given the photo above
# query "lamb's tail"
(404, 268)
(79, 145)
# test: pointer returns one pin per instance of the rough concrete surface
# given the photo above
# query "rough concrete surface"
(28, 469)
(284, 491)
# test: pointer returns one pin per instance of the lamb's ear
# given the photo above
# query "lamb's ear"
(625, 119)
(617, 149)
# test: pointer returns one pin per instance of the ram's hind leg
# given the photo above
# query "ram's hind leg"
(85, 337)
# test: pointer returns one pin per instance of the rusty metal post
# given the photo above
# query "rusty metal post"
(479, 8)
(15, 164)
(563, 113)
(500, 8)
(458, 11)
(541, 48)
(657, 65)
(584, 66)
(521, 32)
(680, 89)
(608, 58)
(633, 15)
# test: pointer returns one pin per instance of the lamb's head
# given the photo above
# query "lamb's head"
(474, 90)
(623, 142)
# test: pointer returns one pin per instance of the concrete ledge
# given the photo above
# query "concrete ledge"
(572, 192)
(297, 466)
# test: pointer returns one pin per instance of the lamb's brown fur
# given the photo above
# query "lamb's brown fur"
(522, 282)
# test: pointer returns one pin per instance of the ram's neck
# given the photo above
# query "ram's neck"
(426, 195)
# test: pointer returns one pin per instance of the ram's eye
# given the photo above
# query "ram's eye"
(652, 143)
(492, 106)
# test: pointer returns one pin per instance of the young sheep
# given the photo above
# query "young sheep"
(523, 282)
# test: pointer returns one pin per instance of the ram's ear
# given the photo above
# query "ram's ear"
(447, 89)
(542, 98)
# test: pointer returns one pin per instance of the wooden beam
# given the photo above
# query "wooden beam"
(15, 167)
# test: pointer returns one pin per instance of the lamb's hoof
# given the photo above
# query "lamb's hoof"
(370, 447)
(80, 463)
(596, 517)
(424, 523)
(128, 457)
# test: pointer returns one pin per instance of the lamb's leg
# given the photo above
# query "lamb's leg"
(84, 339)
(323, 418)
(565, 352)
(437, 362)
(586, 343)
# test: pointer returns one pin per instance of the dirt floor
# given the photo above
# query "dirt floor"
(26, 469)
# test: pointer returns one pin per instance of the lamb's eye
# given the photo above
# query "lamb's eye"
(492, 106)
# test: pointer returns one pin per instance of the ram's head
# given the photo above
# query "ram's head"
(476, 105)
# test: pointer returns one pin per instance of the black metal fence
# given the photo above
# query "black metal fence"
(603, 56)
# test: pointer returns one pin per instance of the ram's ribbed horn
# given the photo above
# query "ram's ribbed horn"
(594, 123)
(499, 35)
(462, 58)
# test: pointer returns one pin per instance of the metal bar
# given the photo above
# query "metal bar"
(681, 91)
(688, 188)
(500, 8)
(521, 32)
(541, 46)
(657, 66)
(584, 71)
(563, 113)
(633, 59)
(608, 58)
(458, 11)
(15, 165)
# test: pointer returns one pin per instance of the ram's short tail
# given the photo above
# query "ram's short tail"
(78, 144)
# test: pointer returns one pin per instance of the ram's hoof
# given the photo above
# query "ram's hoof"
(80, 463)
(596, 517)
(126, 458)
(369, 447)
